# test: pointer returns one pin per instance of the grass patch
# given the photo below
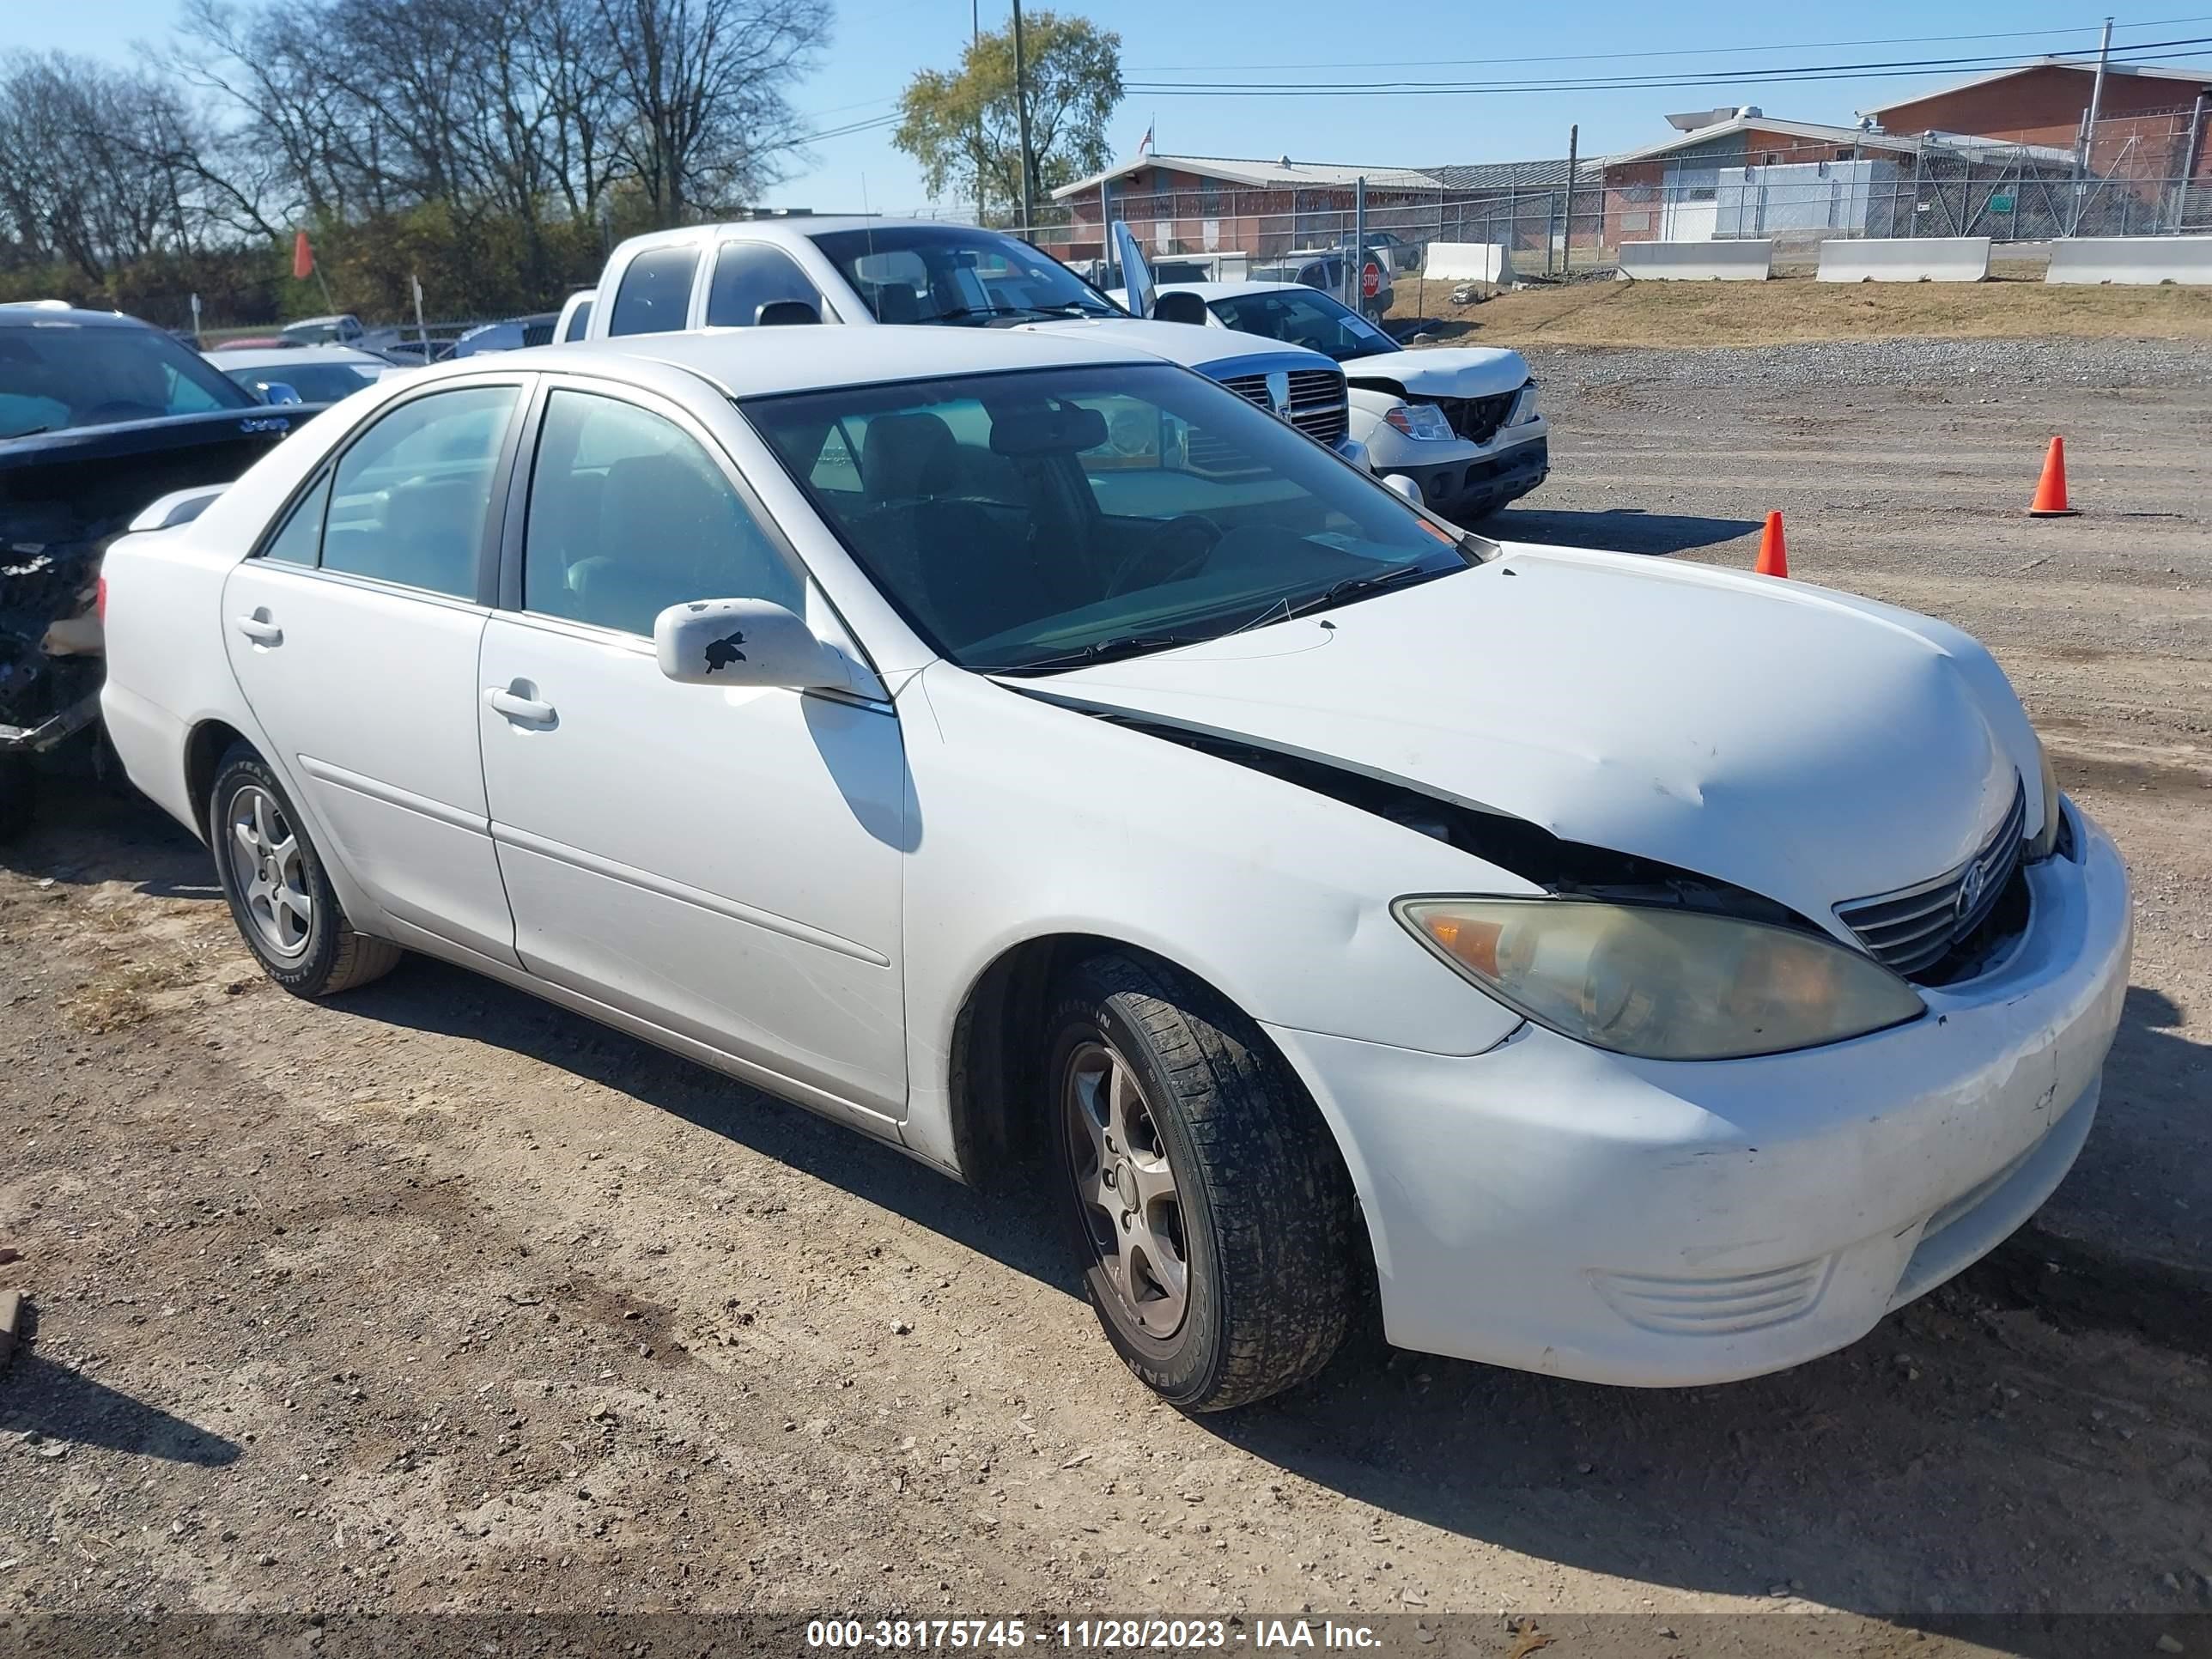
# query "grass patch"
(1783, 312)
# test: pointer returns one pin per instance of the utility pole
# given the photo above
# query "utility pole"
(975, 42)
(1022, 118)
(2089, 128)
(1567, 251)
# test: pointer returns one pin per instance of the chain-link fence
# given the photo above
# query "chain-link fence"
(2139, 175)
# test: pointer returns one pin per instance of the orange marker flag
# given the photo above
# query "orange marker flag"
(303, 257)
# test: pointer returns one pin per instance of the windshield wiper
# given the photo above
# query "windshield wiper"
(1122, 645)
(27, 432)
(1354, 587)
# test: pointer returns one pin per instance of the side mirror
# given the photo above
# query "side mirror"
(275, 391)
(744, 642)
(786, 313)
(1407, 487)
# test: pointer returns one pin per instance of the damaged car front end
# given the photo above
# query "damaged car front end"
(100, 416)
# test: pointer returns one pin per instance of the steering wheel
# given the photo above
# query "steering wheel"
(1183, 544)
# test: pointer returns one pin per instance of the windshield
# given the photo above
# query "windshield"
(957, 274)
(58, 375)
(1306, 317)
(316, 383)
(1035, 522)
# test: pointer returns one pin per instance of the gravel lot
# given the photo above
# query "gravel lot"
(435, 1298)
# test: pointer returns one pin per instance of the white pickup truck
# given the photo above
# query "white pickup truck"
(1462, 423)
(768, 272)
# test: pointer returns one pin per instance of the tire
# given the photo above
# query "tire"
(19, 794)
(1257, 1209)
(279, 896)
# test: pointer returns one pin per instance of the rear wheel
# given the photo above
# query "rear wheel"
(279, 896)
(1213, 1217)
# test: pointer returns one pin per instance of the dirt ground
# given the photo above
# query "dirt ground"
(1604, 311)
(435, 1298)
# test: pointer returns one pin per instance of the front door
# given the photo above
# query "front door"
(724, 864)
(354, 632)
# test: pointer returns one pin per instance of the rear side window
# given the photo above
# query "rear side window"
(751, 275)
(409, 499)
(578, 320)
(656, 292)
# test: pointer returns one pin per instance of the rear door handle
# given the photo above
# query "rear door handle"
(516, 707)
(258, 629)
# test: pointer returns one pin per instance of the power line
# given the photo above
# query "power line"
(2145, 52)
(1677, 52)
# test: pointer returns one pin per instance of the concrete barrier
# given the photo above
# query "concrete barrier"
(1694, 262)
(2141, 260)
(1905, 259)
(1469, 261)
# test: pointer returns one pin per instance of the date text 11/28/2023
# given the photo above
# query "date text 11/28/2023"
(1087, 1635)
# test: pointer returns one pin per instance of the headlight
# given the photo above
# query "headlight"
(1664, 984)
(1419, 420)
(2046, 839)
(1525, 411)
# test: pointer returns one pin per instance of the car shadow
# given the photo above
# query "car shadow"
(1616, 530)
(64, 1408)
(85, 833)
(1015, 1227)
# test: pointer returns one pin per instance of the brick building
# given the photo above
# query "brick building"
(2045, 103)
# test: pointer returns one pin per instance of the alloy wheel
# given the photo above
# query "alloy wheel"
(271, 874)
(1131, 1208)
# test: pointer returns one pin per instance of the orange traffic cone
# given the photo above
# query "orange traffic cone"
(1773, 557)
(2050, 491)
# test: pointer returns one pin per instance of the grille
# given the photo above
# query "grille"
(1914, 928)
(1316, 400)
(1716, 1307)
(1477, 419)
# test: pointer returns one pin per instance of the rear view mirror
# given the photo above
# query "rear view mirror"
(1408, 487)
(275, 391)
(1045, 429)
(786, 313)
(744, 642)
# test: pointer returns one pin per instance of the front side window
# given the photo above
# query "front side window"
(751, 275)
(409, 499)
(629, 515)
(957, 274)
(1040, 520)
(1305, 317)
(655, 296)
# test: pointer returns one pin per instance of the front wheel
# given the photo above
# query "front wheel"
(1213, 1217)
(279, 896)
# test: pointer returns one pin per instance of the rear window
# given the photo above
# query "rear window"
(655, 296)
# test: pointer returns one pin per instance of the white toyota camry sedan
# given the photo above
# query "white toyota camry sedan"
(1038, 757)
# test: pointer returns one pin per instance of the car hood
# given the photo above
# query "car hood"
(1212, 351)
(1805, 746)
(1442, 371)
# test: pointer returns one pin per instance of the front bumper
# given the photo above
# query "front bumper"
(1468, 488)
(1549, 1207)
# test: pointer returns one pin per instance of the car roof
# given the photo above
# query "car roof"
(275, 356)
(792, 230)
(33, 313)
(1210, 291)
(751, 362)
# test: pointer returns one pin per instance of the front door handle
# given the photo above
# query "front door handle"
(518, 708)
(258, 629)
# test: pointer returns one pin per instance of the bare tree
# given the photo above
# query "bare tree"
(705, 82)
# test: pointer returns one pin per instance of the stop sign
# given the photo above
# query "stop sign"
(1370, 282)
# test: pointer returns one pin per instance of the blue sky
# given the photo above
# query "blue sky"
(880, 42)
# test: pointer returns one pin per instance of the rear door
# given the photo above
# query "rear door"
(354, 632)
